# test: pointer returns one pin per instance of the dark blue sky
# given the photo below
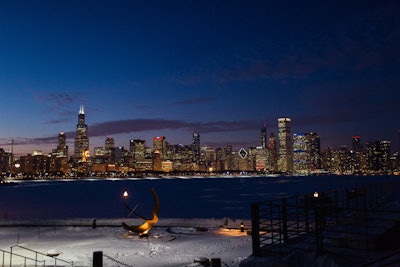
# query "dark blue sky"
(220, 68)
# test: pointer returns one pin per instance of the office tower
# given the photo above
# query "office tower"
(109, 149)
(120, 155)
(99, 155)
(263, 136)
(357, 154)
(196, 148)
(137, 148)
(300, 154)
(285, 163)
(81, 139)
(261, 159)
(314, 150)
(62, 148)
(159, 144)
(357, 143)
(306, 153)
(273, 151)
(378, 156)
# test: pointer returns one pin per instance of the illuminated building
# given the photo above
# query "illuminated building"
(306, 153)
(378, 156)
(224, 159)
(109, 149)
(314, 150)
(241, 161)
(263, 136)
(81, 139)
(182, 157)
(209, 158)
(167, 166)
(357, 143)
(141, 155)
(300, 154)
(273, 151)
(120, 155)
(99, 155)
(261, 159)
(137, 148)
(34, 165)
(159, 144)
(285, 163)
(196, 148)
(5, 160)
(157, 161)
(357, 154)
(62, 147)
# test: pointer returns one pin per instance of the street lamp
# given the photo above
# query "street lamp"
(125, 197)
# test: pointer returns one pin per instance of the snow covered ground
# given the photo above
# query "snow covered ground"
(172, 243)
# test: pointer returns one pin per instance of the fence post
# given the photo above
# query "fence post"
(336, 207)
(306, 214)
(255, 228)
(284, 221)
(11, 254)
(98, 259)
(319, 223)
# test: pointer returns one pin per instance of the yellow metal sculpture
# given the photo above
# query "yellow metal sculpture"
(144, 228)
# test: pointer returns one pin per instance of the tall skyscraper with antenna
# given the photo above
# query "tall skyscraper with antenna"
(263, 136)
(196, 147)
(81, 139)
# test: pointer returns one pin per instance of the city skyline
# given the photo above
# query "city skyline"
(145, 69)
(80, 142)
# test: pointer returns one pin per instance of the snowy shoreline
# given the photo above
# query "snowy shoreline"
(116, 222)
(172, 242)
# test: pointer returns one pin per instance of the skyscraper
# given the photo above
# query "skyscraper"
(81, 139)
(314, 150)
(273, 151)
(300, 154)
(285, 163)
(62, 148)
(137, 148)
(159, 146)
(263, 136)
(357, 154)
(196, 147)
(109, 149)
(306, 153)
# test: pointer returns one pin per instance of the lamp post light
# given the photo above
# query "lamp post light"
(125, 197)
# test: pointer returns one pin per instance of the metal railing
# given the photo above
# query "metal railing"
(22, 260)
(344, 221)
(42, 255)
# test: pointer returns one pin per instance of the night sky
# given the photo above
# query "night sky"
(221, 68)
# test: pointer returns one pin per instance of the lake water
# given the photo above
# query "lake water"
(179, 197)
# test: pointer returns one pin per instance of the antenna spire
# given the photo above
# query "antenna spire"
(81, 110)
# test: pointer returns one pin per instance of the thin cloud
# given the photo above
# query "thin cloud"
(56, 99)
(140, 125)
(59, 104)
